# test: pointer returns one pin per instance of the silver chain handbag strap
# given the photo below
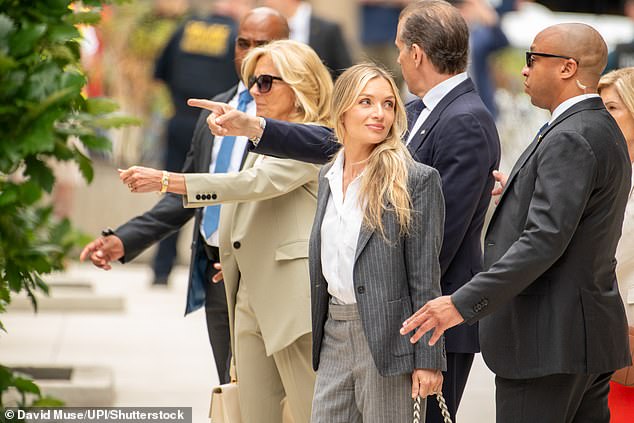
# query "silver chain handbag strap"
(441, 403)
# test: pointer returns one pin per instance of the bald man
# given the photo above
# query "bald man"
(552, 324)
(259, 26)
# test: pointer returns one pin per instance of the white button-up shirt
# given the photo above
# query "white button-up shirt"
(236, 154)
(299, 23)
(339, 234)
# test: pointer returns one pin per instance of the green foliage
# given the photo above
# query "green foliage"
(28, 392)
(41, 108)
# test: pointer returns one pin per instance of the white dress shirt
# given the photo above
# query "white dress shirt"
(568, 104)
(299, 23)
(236, 155)
(433, 97)
(340, 233)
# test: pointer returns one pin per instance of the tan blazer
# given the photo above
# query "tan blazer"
(265, 222)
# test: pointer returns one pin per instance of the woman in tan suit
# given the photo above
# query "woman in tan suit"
(265, 224)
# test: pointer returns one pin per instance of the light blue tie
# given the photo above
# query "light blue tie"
(212, 213)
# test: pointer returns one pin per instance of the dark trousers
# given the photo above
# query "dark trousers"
(218, 321)
(560, 398)
(179, 135)
(165, 258)
(454, 382)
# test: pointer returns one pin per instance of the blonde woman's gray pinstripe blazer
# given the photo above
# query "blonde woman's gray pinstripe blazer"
(390, 278)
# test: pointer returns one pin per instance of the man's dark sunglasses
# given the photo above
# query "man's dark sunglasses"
(247, 43)
(265, 82)
(530, 59)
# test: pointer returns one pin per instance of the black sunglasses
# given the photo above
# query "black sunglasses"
(530, 59)
(248, 43)
(265, 82)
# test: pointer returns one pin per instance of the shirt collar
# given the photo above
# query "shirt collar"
(300, 19)
(568, 104)
(241, 87)
(437, 93)
(336, 170)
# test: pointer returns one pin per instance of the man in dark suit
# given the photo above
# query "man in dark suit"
(450, 130)
(324, 36)
(553, 326)
(197, 60)
(258, 27)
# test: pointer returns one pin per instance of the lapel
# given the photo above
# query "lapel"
(523, 158)
(244, 157)
(364, 236)
(591, 103)
(322, 202)
(313, 31)
(418, 139)
(413, 109)
(209, 138)
(205, 151)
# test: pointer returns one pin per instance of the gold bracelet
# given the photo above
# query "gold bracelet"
(165, 180)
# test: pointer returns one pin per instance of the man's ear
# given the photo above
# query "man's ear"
(417, 54)
(569, 69)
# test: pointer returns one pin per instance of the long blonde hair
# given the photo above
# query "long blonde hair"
(384, 180)
(299, 67)
(623, 80)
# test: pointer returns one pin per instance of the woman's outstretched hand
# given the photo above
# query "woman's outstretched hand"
(141, 179)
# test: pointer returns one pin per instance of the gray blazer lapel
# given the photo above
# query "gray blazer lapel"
(364, 236)
(322, 196)
(315, 239)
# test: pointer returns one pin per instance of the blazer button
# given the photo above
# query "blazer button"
(214, 196)
(361, 289)
(236, 245)
(197, 196)
(209, 197)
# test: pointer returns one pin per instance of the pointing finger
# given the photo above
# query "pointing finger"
(206, 104)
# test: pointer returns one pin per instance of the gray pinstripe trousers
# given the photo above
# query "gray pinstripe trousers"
(349, 388)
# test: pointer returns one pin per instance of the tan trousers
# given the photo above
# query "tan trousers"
(264, 381)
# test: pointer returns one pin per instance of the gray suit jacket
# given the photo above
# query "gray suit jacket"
(550, 295)
(390, 278)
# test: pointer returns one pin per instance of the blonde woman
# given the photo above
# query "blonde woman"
(617, 91)
(374, 252)
(265, 222)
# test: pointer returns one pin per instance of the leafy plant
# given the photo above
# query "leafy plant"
(41, 109)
